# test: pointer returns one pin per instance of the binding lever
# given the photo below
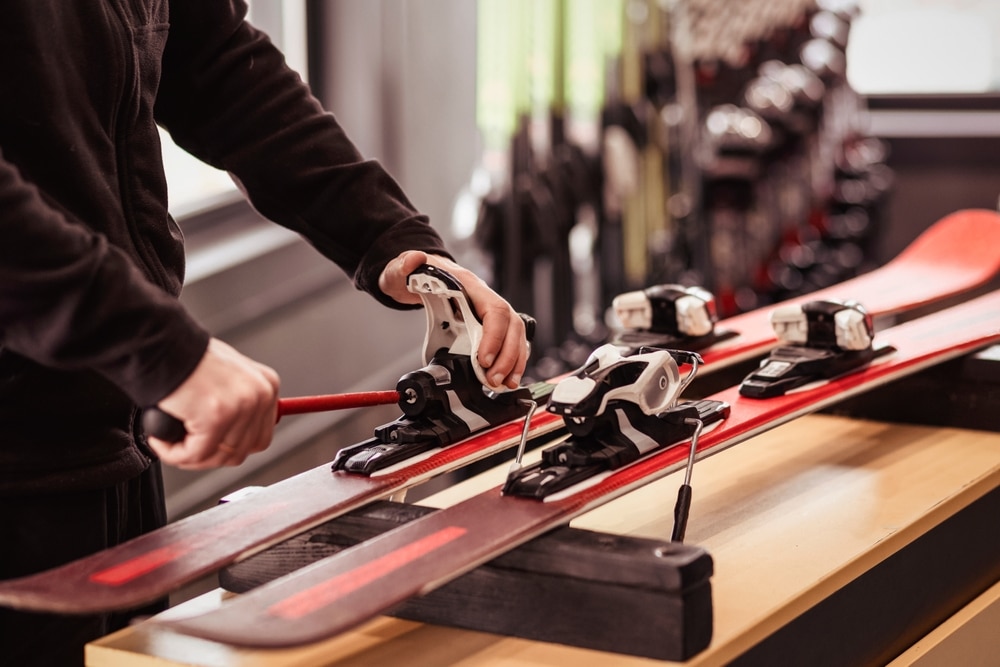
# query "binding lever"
(618, 409)
(821, 340)
(670, 316)
(448, 399)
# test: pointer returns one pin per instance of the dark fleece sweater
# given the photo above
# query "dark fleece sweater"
(91, 262)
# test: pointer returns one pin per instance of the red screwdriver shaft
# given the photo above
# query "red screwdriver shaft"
(303, 404)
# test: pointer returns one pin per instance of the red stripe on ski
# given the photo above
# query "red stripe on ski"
(131, 569)
(316, 598)
(137, 567)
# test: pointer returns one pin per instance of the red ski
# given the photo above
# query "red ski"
(950, 251)
(159, 562)
(344, 590)
(941, 263)
(448, 421)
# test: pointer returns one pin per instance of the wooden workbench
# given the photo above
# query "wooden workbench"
(794, 518)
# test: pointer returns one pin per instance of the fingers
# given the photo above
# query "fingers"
(503, 350)
(228, 406)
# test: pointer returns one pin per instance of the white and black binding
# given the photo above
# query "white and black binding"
(820, 340)
(617, 409)
(449, 398)
(669, 316)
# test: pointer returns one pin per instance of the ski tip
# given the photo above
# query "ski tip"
(967, 236)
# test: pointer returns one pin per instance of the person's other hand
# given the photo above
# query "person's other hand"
(228, 405)
(503, 350)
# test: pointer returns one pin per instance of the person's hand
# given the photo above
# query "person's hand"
(503, 350)
(228, 405)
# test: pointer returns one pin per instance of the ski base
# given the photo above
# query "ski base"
(594, 584)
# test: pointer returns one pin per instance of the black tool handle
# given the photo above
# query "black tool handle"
(529, 326)
(159, 424)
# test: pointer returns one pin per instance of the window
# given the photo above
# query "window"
(926, 47)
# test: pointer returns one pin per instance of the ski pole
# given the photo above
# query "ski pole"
(164, 426)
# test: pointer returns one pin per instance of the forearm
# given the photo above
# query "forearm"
(227, 97)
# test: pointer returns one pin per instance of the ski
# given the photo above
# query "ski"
(940, 263)
(448, 421)
(944, 261)
(340, 592)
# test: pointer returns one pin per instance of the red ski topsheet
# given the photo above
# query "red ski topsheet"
(344, 590)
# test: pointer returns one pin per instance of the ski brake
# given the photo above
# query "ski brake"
(617, 409)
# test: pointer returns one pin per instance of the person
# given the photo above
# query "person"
(91, 264)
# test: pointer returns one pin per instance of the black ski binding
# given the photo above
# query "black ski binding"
(823, 340)
(669, 316)
(447, 400)
(617, 410)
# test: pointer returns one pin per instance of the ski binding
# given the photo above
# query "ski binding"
(670, 316)
(449, 398)
(821, 340)
(617, 409)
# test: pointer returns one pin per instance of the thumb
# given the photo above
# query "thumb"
(392, 281)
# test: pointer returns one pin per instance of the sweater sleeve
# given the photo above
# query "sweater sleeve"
(227, 96)
(70, 300)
